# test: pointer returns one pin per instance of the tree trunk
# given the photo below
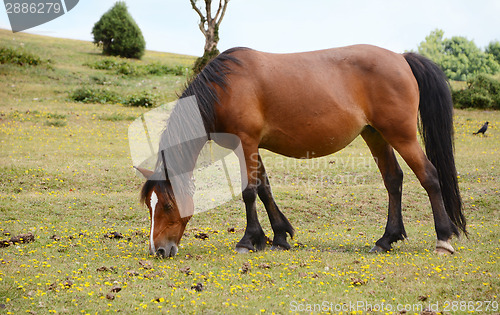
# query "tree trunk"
(209, 26)
(211, 37)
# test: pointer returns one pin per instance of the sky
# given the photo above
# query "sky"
(290, 25)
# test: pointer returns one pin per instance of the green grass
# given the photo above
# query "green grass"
(72, 184)
(117, 117)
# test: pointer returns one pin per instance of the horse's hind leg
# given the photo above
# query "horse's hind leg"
(279, 222)
(393, 180)
(427, 175)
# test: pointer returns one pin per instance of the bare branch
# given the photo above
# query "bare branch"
(201, 25)
(193, 4)
(223, 11)
(218, 10)
(208, 8)
(202, 28)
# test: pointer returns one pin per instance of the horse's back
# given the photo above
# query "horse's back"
(315, 103)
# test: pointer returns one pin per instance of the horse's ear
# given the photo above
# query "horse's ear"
(146, 173)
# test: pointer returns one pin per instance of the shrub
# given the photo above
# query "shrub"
(126, 68)
(118, 34)
(18, 57)
(90, 95)
(144, 99)
(104, 64)
(120, 67)
(482, 92)
(161, 69)
(103, 96)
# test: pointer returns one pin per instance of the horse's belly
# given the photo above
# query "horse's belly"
(315, 143)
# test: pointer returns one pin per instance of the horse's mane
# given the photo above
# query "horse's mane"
(202, 86)
(180, 124)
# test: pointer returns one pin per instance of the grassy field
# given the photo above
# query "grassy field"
(67, 178)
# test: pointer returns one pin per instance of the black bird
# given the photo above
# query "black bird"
(483, 129)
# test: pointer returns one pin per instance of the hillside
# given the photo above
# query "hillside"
(65, 68)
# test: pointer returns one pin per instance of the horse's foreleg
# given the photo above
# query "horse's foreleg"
(254, 235)
(393, 179)
(279, 223)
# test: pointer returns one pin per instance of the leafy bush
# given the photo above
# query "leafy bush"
(89, 95)
(103, 96)
(130, 69)
(18, 57)
(482, 92)
(118, 34)
(144, 99)
(118, 66)
(127, 69)
(161, 69)
(104, 64)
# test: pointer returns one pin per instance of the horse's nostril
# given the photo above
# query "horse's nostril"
(169, 251)
(173, 251)
(161, 252)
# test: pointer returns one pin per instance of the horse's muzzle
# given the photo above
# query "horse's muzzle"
(170, 250)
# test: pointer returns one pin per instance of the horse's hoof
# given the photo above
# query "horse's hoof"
(242, 250)
(442, 251)
(260, 246)
(377, 249)
(444, 248)
(278, 247)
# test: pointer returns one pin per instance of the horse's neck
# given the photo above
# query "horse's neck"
(184, 163)
(180, 155)
(193, 152)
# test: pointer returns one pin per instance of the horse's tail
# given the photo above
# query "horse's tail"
(436, 128)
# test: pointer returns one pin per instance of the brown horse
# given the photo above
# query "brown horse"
(296, 104)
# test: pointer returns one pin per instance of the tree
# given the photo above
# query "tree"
(209, 26)
(433, 46)
(494, 50)
(459, 57)
(118, 34)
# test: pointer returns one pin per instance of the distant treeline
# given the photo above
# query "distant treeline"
(459, 57)
(462, 60)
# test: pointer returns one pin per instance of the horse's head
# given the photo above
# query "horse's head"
(167, 223)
